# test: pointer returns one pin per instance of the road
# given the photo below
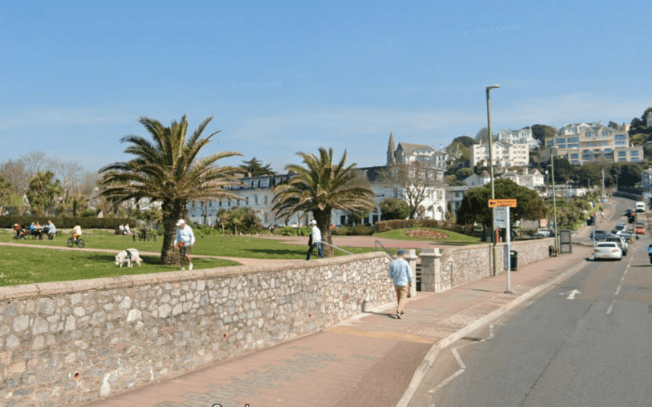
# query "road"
(586, 342)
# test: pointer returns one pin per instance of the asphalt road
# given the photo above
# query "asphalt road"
(586, 342)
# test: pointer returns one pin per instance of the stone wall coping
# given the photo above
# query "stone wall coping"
(63, 287)
(501, 244)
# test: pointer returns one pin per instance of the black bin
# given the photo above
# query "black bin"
(513, 260)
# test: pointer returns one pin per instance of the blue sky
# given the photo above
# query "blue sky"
(287, 76)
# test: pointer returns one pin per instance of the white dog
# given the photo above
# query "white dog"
(128, 256)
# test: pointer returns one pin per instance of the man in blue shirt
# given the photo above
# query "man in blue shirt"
(315, 240)
(399, 271)
(184, 239)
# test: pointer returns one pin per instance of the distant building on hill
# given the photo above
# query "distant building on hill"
(580, 143)
(409, 153)
(522, 136)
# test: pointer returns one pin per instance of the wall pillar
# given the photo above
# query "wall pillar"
(411, 257)
(430, 269)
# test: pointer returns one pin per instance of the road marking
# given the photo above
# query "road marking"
(611, 307)
(572, 294)
(617, 289)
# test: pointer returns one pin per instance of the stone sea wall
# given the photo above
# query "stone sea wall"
(71, 342)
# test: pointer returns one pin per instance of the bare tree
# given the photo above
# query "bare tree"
(415, 184)
(15, 172)
(69, 172)
(35, 161)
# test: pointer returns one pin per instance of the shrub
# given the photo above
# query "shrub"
(341, 231)
(362, 230)
(387, 225)
(68, 222)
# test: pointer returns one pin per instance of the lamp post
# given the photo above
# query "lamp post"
(554, 195)
(491, 171)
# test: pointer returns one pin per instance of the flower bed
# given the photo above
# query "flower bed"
(426, 234)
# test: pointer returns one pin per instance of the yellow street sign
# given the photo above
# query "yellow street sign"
(502, 202)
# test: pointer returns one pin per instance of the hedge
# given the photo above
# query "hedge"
(64, 223)
(387, 225)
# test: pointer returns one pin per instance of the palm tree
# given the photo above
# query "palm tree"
(320, 186)
(168, 170)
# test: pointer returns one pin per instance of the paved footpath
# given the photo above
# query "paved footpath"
(366, 361)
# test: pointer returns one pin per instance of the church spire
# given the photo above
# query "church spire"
(391, 150)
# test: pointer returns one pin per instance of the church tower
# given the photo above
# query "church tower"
(391, 149)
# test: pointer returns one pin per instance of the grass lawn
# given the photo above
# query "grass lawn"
(453, 237)
(229, 246)
(26, 265)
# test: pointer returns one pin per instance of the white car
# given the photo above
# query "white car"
(607, 250)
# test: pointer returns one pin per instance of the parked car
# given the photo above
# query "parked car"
(620, 226)
(607, 250)
(599, 235)
(541, 232)
(639, 228)
(624, 247)
(640, 206)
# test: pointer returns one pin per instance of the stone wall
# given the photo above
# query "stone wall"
(458, 266)
(70, 342)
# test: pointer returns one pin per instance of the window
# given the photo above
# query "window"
(560, 140)
(634, 159)
(621, 143)
(587, 157)
(609, 156)
(256, 200)
(247, 201)
(575, 162)
(220, 203)
(608, 150)
(622, 160)
(603, 143)
(264, 183)
(588, 134)
(561, 145)
(574, 145)
(620, 137)
(633, 153)
(604, 133)
(551, 143)
(265, 199)
(574, 140)
(622, 154)
(575, 156)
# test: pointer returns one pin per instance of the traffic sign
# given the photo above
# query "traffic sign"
(502, 202)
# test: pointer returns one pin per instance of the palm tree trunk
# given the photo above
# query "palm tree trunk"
(323, 219)
(171, 214)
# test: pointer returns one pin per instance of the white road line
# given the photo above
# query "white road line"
(459, 359)
(617, 289)
(611, 307)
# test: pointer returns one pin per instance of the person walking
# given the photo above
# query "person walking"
(315, 240)
(184, 240)
(399, 271)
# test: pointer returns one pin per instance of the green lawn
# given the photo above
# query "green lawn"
(453, 237)
(25, 265)
(229, 246)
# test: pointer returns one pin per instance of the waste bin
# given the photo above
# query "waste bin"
(513, 260)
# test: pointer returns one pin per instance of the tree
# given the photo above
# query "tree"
(5, 194)
(613, 125)
(541, 131)
(255, 168)
(629, 174)
(167, 169)
(464, 140)
(416, 184)
(392, 208)
(15, 172)
(481, 136)
(474, 207)
(320, 186)
(43, 189)
(564, 171)
(237, 220)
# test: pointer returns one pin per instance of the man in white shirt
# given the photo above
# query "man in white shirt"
(315, 240)
(184, 240)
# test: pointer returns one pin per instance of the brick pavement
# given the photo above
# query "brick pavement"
(366, 361)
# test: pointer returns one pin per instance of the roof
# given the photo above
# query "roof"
(409, 147)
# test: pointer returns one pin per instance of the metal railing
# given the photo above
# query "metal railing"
(377, 243)
(335, 247)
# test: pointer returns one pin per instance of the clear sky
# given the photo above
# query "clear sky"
(287, 76)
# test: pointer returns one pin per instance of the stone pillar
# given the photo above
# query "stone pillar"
(430, 269)
(411, 257)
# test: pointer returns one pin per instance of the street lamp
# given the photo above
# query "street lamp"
(491, 171)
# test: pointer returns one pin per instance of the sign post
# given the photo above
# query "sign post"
(501, 218)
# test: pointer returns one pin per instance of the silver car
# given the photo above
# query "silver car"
(607, 250)
(620, 241)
